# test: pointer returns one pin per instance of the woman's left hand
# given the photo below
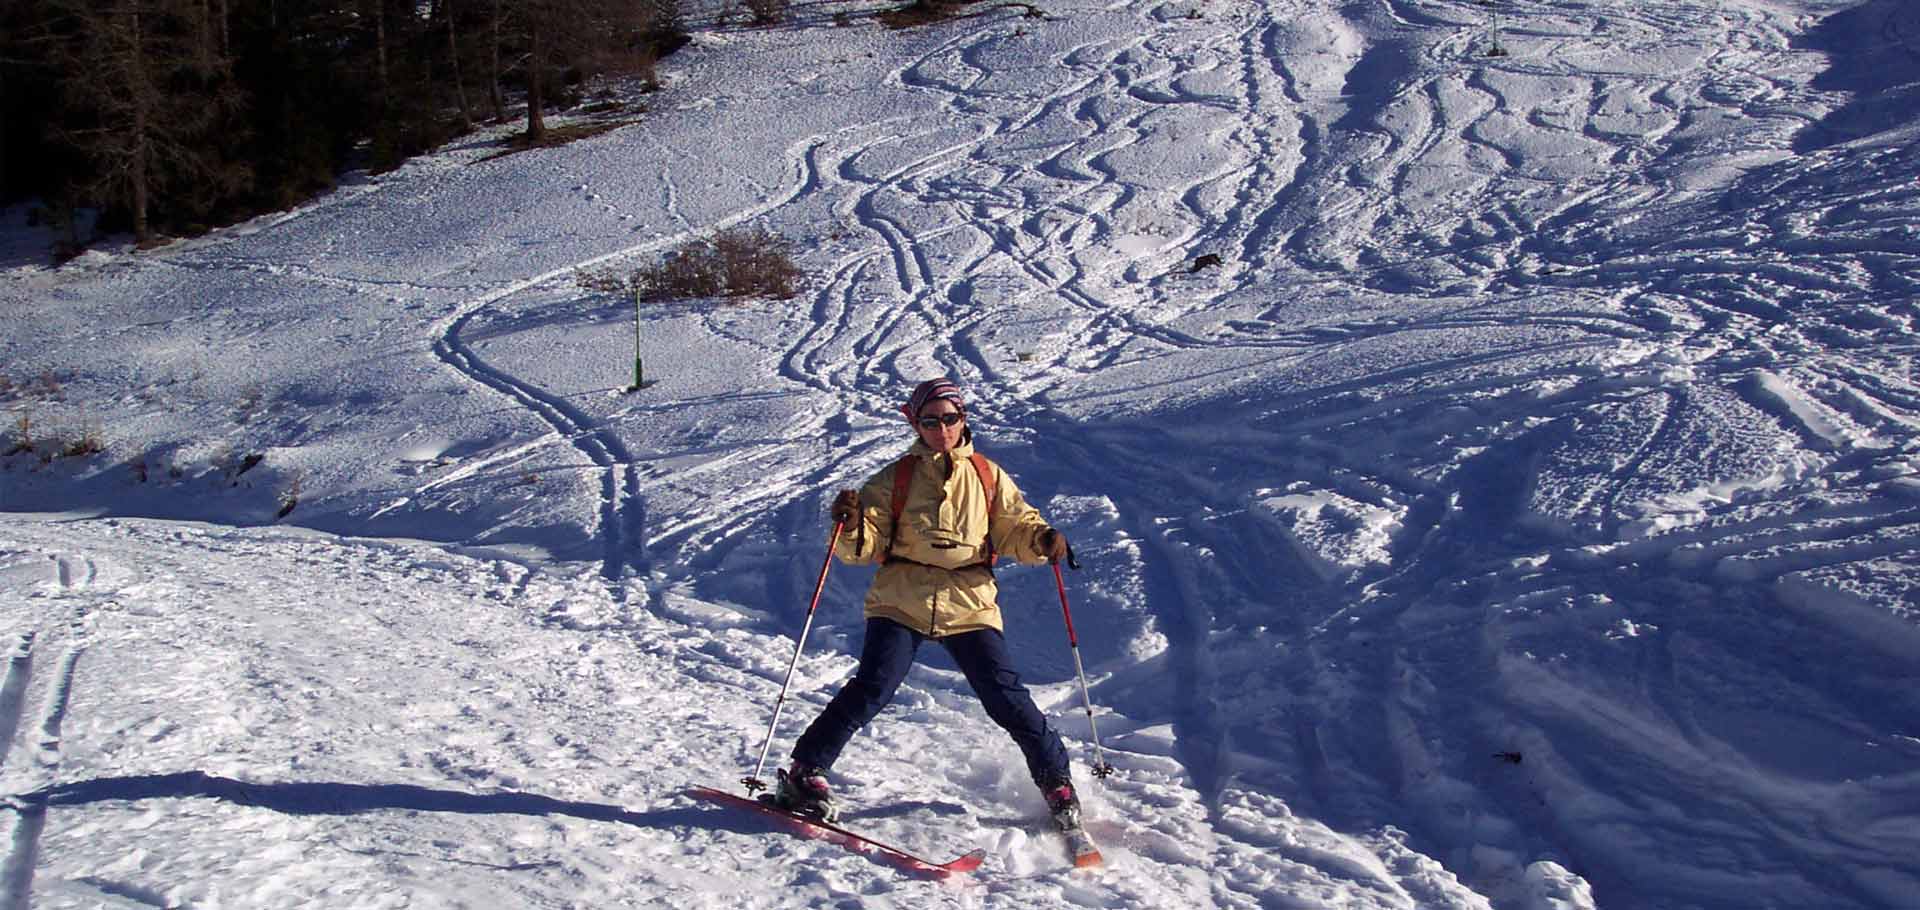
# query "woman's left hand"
(1054, 545)
(845, 507)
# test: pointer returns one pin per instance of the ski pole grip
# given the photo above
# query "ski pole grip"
(825, 563)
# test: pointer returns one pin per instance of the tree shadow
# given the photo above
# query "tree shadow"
(1874, 54)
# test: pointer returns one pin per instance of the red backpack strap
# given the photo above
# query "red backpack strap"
(984, 468)
(902, 480)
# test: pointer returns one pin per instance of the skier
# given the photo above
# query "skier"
(935, 529)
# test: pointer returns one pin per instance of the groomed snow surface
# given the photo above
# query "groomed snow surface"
(1523, 513)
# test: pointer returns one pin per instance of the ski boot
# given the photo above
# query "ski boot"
(1063, 804)
(803, 791)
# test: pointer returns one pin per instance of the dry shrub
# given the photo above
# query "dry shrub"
(22, 434)
(757, 264)
(88, 442)
(603, 281)
(693, 270)
(736, 263)
(289, 497)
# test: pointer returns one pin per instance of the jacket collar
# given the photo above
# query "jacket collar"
(961, 452)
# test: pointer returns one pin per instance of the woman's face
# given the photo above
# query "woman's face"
(942, 436)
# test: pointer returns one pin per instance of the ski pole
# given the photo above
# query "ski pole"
(1100, 767)
(752, 781)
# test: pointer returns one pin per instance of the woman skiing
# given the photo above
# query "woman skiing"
(935, 520)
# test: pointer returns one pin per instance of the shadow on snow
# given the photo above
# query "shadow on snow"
(330, 798)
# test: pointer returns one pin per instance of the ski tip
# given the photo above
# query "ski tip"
(966, 863)
(1089, 860)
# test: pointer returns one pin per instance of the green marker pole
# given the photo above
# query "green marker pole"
(640, 377)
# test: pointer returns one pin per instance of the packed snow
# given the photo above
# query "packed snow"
(1490, 431)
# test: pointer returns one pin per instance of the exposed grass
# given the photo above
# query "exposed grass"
(928, 12)
(922, 12)
(768, 12)
(609, 106)
(557, 136)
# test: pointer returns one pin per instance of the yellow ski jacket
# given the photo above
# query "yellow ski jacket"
(934, 578)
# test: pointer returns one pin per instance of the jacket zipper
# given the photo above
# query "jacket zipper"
(933, 606)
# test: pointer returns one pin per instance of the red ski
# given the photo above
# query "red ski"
(1086, 854)
(828, 831)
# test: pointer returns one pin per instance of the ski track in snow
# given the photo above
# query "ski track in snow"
(1500, 253)
(71, 577)
(622, 518)
(1444, 532)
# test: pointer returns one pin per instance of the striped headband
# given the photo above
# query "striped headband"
(940, 387)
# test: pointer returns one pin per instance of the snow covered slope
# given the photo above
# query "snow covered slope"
(1523, 512)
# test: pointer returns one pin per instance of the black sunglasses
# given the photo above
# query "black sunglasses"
(950, 418)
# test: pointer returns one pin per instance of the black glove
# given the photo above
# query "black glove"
(845, 507)
(1054, 545)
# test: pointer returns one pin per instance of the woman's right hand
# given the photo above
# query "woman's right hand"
(845, 507)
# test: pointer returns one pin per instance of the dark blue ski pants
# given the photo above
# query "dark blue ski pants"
(885, 657)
